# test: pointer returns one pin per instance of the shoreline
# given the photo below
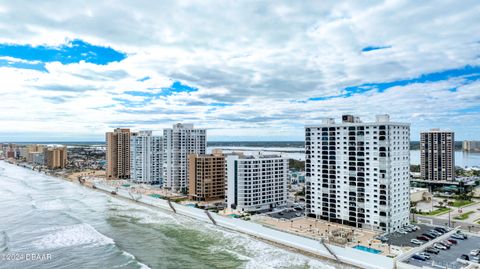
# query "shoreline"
(291, 242)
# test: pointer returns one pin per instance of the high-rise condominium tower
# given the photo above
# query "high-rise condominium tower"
(178, 143)
(55, 157)
(358, 173)
(256, 183)
(437, 155)
(146, 155)
(206, 176)
(118, 154)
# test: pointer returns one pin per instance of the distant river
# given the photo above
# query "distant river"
(462, 159)
(82, 228)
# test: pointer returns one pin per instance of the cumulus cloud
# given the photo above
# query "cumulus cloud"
(259, 69)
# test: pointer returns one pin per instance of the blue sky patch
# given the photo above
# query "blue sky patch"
(71, 52)
(24, 65)
(469, 73)
(176, 87)
(370, 48)
(143, 79)
(219, 104)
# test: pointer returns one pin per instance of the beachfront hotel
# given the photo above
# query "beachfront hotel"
(437, 155)
(256, 183)
(206, 176)
(55, 157)
(146, 155)
(118, 154)
(178, 143)
(357, 173)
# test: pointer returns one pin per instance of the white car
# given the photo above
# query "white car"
(439, 246)
(416, 241)
(475, 252)
(402, 231)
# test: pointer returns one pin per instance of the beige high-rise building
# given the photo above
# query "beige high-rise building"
(437, 155)
(32, 150)
(55, 158)
(206, 176)
(118, 154)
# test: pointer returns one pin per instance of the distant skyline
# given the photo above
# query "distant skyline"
(245, 70)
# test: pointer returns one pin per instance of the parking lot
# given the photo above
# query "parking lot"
(287, 214)
(403, 240)
(448, 258)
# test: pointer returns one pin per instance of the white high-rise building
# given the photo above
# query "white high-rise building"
(146, 154)
(256, 182)
(179, 142)
(358, 173)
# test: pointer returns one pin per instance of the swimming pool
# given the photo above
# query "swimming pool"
(367, 249)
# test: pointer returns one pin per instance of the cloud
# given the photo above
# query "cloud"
(263, 67)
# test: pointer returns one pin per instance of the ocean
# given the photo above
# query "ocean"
(46, 222)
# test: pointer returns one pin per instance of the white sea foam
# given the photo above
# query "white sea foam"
(50, 205)
(129, 255)
(258, 254)
(144, 214)
(73, 235)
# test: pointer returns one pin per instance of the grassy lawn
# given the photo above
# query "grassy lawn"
(460, 203)
(435, 212)
(464, 216)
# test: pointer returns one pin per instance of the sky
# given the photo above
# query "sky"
(245, 70)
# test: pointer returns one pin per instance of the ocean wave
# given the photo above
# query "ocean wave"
(3, 241)
(73, 235)
(258, 254)
(129, 255)
(50, 205)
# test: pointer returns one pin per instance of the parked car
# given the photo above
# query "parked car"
(446, 243)
(408, 229)
(425, 255)
(423, 238)
(465, 257)
(418, 257)
(416, 241)
(453, 241)
(402, 231)
(432, 234)
(443, 243)
(439, 246)
(437, 233)
(440, 229)
(475, 252)
(414, 227)
(458, 236)
(429, 236)
(432, 250)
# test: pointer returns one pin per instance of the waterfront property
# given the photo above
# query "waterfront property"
(118, 154)
(256, 183)
(179, 142)
(146, 154)
(206, 175)
(55, 157)
(358, 173)
(437, 155)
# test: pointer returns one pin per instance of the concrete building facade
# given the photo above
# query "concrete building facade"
(146, 155)
(357, 173)
(206, 175)
(178, 143)
(437, 155)
(118, 154)
(471, 146)
(55, 157)
(256, 183)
